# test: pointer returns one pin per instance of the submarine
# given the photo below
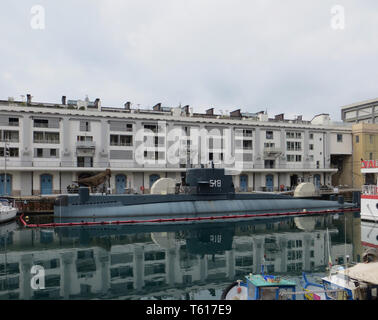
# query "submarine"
(208, 192)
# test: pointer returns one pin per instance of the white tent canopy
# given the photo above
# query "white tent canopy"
(366, 272)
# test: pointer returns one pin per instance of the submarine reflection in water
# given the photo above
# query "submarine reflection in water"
(139, 262)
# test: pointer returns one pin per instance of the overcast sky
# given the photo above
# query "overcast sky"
(280, 56)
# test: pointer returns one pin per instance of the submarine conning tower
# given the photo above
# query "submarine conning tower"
(209, 181)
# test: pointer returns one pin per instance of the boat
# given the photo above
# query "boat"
(369, 194)
(7, 210)
(369, 235)
(359, 282)
(206, 192)
(260, 287)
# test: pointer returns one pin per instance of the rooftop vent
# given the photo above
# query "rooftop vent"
(279, 117)
(157, 107)
(64, 100)
(127, 105)
(28, 99)
(235, 114)
(210, 112)
(185, 109)
(97, 103)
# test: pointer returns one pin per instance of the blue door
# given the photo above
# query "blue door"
(244, 183)
(269, 182)
(120, 183)
(153, 178)
(8, 190)
(46, 184)
(317, 181)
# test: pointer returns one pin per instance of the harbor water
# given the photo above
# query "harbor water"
(192, 261)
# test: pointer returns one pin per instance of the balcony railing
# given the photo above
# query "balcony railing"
(121, 144)
(86, 144)
(370, 190)
(46, 125)
(51, 141)
(272, 150)
(15, 140)
(56, 163)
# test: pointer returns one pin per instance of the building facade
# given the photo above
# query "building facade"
(45, 147)
(361, 112)
(364, 119)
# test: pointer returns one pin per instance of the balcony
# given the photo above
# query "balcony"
(49, 141)
(272, 152)
(85, 144)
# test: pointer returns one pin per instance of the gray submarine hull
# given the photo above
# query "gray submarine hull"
(211, 193)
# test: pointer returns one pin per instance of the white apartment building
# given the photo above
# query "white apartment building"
(49, 146)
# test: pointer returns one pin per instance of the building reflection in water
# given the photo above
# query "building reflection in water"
(172, 261)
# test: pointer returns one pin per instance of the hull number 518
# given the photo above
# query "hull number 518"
(215, 183)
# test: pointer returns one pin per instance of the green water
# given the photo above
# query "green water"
(192, 261)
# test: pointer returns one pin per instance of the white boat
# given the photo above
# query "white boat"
(369, 194)
(7, 211)
(369, 234)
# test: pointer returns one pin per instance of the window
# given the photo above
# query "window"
(293, 146)
(269, 134)
(116, 140)
(45, 137)
(311, 146)
(52, 137)
(371, 156)
(247, 145)
(293, 158)
(84, 138)
(39, 153)
(357, 139)
(293, 135)
(152, 127)
(41, 123)
(13, 122)
(311, 136)
(85, 125)
(290, 135)
(13, 152)
(113, 140)
(120, 126)
(46, 153)
(126, 140)
(10, 136)
(339, 138)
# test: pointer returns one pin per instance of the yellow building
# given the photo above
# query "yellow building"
(365, 147)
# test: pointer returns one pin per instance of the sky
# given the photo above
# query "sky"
(294, 57)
